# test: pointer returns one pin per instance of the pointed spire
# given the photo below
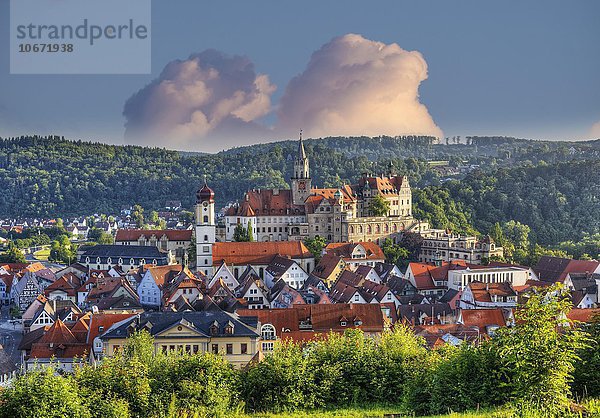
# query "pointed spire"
(301, 152)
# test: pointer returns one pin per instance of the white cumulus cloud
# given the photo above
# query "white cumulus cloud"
(355, 86)
(351, 86)
(208, 101)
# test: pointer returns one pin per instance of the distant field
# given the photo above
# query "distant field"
(42, 255)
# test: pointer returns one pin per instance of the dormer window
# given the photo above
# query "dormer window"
(229, 329)
(214, 329)
(357, 322)
(343, 323)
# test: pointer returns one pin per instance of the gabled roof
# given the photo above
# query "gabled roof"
(484, 292)
(483, 318)
(257, 253)
(327, 265)
(58, 333)
(149, 252)
(555, 269)
(583, 315)
(412, 313)
(163, 275)
(265, 202)
(384, 269)
(101, 322)
(346, 249)
(279, 265)
(170, 234)
(305, 322)
(201, 321)
(400, 285)
(427, 274)
(67, 283)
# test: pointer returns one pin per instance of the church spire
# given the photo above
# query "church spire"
(301, 152)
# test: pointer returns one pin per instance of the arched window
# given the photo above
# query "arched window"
(377, 229)
(360, 229)
(386, 228)
(369, 229)
(205, 238)
(267, 332)
(351, 229)
(205, 219)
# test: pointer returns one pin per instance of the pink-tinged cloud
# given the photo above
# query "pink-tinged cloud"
(209, 101)
(595, 130)
(355, 86)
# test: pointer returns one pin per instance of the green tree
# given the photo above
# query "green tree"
(539, 352)
(315, 246)
(43, 393)
(394, 253)
(191, 251)
(153, 217)
(587, 369)
(12, 254)
(240, 234)
(105, 238)
(138, 215)
(379, 206)
(250, 233)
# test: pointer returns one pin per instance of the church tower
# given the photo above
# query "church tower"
(205, 229)
(301, 178)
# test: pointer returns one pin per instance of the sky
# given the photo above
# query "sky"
(231, 73)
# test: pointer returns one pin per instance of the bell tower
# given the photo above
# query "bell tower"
(301, 184)
(205, 229)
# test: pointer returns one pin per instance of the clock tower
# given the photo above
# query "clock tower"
(301, 184)
(205, 229)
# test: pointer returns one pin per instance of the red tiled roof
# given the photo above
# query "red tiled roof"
(58, 333)
(483, 318)
(426, 274)
(583, 315)
(327, 265)
(241, 253)
(135, 234)
(104, 320)
(345, 249)
(555, 269)
(67, 283)
(267, 202)
(324, 318)
(164, 274)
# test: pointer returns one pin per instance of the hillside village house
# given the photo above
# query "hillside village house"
(173, 240)
(439, 244)
(103, 257)
(357, 254)
(238, 255)
(459, 279)
(193, 332)
(302, 323)
(556, 269)
(488, 295)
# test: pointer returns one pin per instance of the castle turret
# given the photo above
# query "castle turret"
(205, 229)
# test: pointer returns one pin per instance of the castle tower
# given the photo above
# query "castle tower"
(205, 229)
(301, 184)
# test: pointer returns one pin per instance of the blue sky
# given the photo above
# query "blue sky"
(519, 68)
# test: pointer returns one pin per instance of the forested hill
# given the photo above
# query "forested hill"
(520, 179)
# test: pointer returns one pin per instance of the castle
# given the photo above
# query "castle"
(344, 214)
